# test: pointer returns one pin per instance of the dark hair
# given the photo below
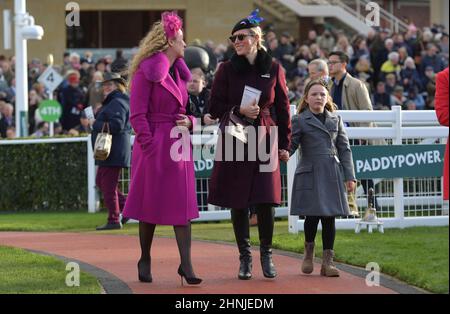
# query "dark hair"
(342, 56)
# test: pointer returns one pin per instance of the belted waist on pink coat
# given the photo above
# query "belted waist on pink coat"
(163, 117)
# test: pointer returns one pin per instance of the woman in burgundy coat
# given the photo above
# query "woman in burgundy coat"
(237, 184)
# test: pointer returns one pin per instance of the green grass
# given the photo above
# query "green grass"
(25, 272)
(70, 221)
(418, 256)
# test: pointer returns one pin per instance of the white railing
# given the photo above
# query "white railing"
(395, 24)
(353, 17)
(393, 128)
(327, 10)
(397, 133)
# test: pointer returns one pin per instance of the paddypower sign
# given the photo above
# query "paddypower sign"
(395, 161)
(203, 167)
(398, 161)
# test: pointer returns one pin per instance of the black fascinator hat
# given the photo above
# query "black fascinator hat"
(253, 20)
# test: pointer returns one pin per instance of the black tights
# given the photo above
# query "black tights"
(183, 237)
(328, 230)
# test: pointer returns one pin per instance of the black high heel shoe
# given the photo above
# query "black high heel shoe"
(144, 274)
(190, 281)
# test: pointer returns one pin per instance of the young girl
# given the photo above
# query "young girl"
(324, 174)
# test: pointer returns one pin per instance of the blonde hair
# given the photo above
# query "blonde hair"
(155, 41)
(330, 105)
(258, 31)
(121, 87)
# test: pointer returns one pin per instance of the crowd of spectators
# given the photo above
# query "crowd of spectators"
(81, 88)
(397, 68)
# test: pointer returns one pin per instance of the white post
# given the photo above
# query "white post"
(7, 33)
(91, 177)
(291, 166)
(50, 95)
(358, 9)
(51, 129)
(21, 71)
(399, 207)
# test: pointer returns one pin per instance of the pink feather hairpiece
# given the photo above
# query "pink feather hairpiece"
(172, 23)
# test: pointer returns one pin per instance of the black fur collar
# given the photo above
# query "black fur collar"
(263, 63)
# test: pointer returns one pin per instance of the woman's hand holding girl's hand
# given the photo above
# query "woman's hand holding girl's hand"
(283, 155)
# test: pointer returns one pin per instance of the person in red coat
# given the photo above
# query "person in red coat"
(239, 185)
(441, 106)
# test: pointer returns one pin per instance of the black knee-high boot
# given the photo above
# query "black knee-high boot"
(146, 232)
(183, 236)
(266, 215)
(241, 228)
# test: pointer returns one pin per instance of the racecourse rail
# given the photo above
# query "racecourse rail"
(395, 126)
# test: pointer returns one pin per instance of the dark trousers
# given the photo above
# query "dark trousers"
(241, 226)
(107, 181)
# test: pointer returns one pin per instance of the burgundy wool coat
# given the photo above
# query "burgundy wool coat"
(241, 184)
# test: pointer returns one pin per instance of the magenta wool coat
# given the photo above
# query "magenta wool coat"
(162, 190)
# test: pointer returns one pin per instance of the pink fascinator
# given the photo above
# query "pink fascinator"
(172, 23)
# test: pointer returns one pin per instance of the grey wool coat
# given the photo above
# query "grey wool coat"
(325, 164)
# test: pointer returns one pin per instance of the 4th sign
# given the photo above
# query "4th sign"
(50, 110)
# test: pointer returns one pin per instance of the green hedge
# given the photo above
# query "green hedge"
(46, 177)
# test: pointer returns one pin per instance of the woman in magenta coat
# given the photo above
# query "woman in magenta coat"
(162, 187)
(441, 105)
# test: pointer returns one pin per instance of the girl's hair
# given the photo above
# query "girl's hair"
(330, 105)
(155, 41)
(258, 31)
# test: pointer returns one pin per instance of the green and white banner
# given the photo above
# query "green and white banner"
(203, 167)
(398, 161)
(395, 161)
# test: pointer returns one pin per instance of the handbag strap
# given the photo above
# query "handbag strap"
(107, 126)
